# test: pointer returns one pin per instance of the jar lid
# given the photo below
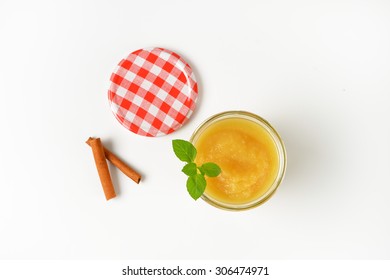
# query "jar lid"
(153, 92)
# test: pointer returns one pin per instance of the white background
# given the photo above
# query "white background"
(317, 70)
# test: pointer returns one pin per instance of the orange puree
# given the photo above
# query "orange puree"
(247, 155)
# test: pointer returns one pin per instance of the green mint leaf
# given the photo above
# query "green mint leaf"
(184, 150)
(210, 169)
(190, 169)
(196, 185)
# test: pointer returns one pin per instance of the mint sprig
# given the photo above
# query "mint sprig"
(196, 182)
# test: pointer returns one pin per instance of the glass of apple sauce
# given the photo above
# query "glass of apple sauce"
(251, 155)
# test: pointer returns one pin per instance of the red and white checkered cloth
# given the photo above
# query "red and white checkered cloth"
(153, 92)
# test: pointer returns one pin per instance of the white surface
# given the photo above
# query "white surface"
(317, 70)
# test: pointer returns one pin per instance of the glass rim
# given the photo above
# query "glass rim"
(280, 149)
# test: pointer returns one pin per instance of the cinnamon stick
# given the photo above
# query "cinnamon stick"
(102, 167)
(127, 170)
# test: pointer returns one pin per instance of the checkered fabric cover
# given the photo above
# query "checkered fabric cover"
(153, 92)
